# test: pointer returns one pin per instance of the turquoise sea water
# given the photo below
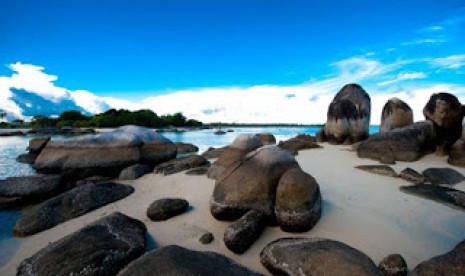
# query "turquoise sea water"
(11, 147)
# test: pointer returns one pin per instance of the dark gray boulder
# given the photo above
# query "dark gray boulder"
(174, 260)
(71, 204)
(378, 169)
(300, 142)
(396, 114)
(443, 176)
(36, 145)
(27, 158)
(242, 233)
(412, 175)
(134, 171)
(267, 138)
(166, 208)
(298, 201)
(393, 265)
(96, 179)
(444, 195)
(450, 263)
(314, 256)
(186, 148)
(101, 248)
(181, 164)
(206, 238)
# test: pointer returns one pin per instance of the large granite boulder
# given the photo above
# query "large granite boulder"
(348, 117)
(242, 233)
(457, 154)
(212, 152)
(300, 142)
(181, 164)
(402, 144)
(36, 145)
(267, 138)
(298, 201)
(27, 158)
(71, 204)
(101, 248)
(104, 154)
(448, 196)
(446, 112)
(450, 263)
(251, 184)
(396, 114)
(186, 148)
(134, 171)
(314, 256)
(26, 190)
(174, 260)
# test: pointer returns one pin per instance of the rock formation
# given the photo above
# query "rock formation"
(396, 114)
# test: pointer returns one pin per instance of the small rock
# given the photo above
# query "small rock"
(450, 264)
(437, 193)
(186, 148)
(27, 158)
(134, 172)
(378, 169)
(163, 209)
(213, 152)
(393, 265)
(181, 164)
(412, 176)
(242, 233)
(206, 238)
(198, 171)
(443, 176)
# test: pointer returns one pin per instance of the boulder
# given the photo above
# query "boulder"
(166, 208)
(314, 256)
(267, 138)
(185, 148)
(174, 260)
(402, 144)
(348, 117)
(181, 164)
(251, 184)
(211, 152)
(199, 171)
(96, 179)
(155, 153)
(298, 201)
(396, 114)
(450, 263)
(206, 238)
(36, 145)
(444, 195)
(134, 171)
(378, 169)
(412, 175)
(393, 265)
(242, 233)
(443, 176)
(246, 142)
(26, 190)
(446, 112)
(300, 142)
(66, 206)
(27, 158)
(457, 154)
(101, 248)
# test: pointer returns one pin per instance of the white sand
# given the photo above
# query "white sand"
(364, 210)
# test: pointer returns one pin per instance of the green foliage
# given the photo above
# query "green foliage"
(43, 121)
(72, 115)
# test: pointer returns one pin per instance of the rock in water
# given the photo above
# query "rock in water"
(396, 114)
(393, 265)
(348, 117)
(73, 203)
(163, 209)
(437, 193)
(443, 176)
(402, 144)
(134, 171)
(174, 260)
(267, 138)
(298, 201)
(242, 233)
(101, 248)
(378, 169)
(213, 152)
(181, 164)
(450, 264)
(186, 148)
(314, 256)
(27, 158)
(251, 184)
(412, 175)
(36, 145)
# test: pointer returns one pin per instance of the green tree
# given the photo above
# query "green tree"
(72, 115)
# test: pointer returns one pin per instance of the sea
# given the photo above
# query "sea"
(11, 147)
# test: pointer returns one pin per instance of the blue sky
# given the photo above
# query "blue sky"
(154, 53)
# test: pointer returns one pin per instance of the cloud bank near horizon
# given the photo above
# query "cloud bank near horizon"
(306, 103)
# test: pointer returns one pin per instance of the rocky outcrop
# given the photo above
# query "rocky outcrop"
(446, 176)
(447, 196)
(300, 142)
(36, 145)
(134, 171)
(96, 179)
(181, 164)
(27, 158)
(250, 184)
(20, 191)
(199, 171)
(457, 154)
(267, 138)
(101, 248)
(378, 169)
(166, 208)
(68, 205)
(298, 201)
(348, 117)
(174, 260)
(314, 256)
(393, 265)
(396, 114)
(450, 263)
(446, 112)
(412, 175)
(403, 144)
(211, 152)
(242, 233)
(185, 148)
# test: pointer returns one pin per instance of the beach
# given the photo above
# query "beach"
(366, 211)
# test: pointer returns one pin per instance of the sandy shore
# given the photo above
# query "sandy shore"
(364, 210)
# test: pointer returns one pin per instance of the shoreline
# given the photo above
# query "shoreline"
(364, 210)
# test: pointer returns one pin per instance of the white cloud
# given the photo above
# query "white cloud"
(435, 28)
(404, 76)
(450, 62)
(432, 41)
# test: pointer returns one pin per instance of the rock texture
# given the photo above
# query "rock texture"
(396, 114)
(378, 169)
(251, 184)
(300, 142)
(96, 179)
(36, 145)
(403, 144)
(348, 116)
(181, 164)
(242, 233)
(134, 171)
(457, 154)
(298, 201)
(313, 256)
(206, 238)
(393, 265)
(267, 138)
(186, 148)
(166, 208)
(178, 261)
(412, 175)
(443, 176)
(102, 248)
(450, 264)
(27, 158)
(447, 196)
(211, 152)
(199, 171)
(68, 205)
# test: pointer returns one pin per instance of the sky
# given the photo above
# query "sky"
(230, 61)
